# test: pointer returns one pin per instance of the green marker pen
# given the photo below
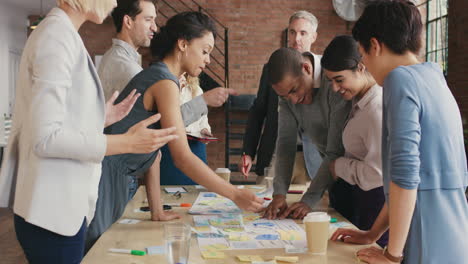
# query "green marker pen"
(127, 251)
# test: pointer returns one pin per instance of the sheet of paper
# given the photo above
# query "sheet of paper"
(175, 189)
(231, 230)
(209, 203)
(127, 221)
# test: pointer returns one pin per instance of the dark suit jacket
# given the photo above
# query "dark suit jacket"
(262, 125)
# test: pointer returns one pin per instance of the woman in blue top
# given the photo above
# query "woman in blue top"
(423, 155)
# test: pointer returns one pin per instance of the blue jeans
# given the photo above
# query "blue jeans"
(42, 246)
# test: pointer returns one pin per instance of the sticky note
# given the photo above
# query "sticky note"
(251, 217)
(290, 259)
(249, 258)
(263, 224)
(213, 254)
(289, 235)
(215, 247)
(292, 249)
(209, 195)
(264, 262)
(155, 250)
(237, 237)
(267, 237)
(203, 228)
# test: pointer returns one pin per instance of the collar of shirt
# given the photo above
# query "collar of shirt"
(374, 91)
(317, 67)
(127, 48)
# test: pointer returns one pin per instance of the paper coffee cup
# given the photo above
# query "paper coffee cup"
(224, 173)
(317, 225)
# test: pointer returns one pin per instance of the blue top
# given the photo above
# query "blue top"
(423, 149)
(422, 137)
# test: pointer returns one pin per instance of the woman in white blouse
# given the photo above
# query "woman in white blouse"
(170, 175)
(361, 165)
(53, 159)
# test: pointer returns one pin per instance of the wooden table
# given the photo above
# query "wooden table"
(148, 233)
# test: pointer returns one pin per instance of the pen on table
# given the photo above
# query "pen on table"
(127, 251)
(178, 204)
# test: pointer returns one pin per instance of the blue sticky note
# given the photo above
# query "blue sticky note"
(264, 224)
(209, 195)
(267, 237)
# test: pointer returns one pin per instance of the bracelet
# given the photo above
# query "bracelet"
(391, 257)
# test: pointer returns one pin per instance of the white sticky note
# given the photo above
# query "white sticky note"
(127, 221)
(175, 189)
(155, 250)
(292, 249)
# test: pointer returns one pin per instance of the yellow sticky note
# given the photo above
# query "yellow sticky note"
(214, 247)
(251, 217)
(290, 259)
(289, 235)
(249, 258)
(237, 237)
(203, 228)
(213, 254)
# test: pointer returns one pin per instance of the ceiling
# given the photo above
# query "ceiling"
(33, 7)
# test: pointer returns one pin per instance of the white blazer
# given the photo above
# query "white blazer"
(52, 163)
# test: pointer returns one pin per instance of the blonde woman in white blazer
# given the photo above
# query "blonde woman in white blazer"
(53, 158)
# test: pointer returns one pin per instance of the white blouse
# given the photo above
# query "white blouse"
(362, 140)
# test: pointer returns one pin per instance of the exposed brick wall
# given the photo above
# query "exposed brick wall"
(256, 31)
(458, 52)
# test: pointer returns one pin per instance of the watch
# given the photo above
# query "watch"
(391, 257)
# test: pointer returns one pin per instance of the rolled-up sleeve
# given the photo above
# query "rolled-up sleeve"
(404, 130)
(52, 71)
(339, 110)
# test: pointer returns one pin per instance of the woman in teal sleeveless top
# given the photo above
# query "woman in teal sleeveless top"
(184, 44)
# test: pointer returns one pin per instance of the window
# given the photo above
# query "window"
(436, 33)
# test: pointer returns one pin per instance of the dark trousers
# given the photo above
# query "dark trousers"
(170, 174)
(44, 247)
(367, 208)
(358, 206)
